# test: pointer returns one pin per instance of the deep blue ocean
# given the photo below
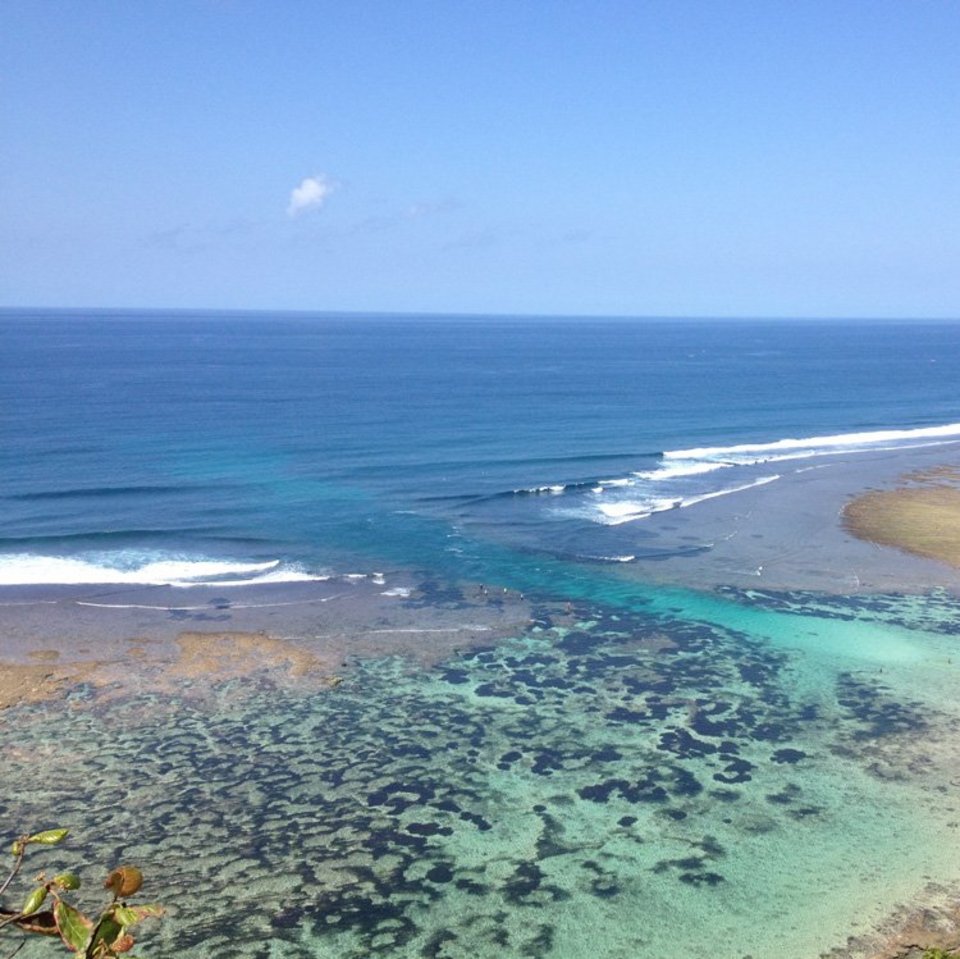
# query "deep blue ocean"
(271, 446)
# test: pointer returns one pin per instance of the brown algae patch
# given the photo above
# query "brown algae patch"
(39, 682)
(212, 658)
(48, 649)
(920, 519)
(223, 656)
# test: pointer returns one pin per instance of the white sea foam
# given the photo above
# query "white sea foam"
(278, 576)
(611, 559)
(762, 481)
(681, 468)
(627, 511)
(682, 478)
(205, 606)
(606, 484)
(119, 568)
(818, 445)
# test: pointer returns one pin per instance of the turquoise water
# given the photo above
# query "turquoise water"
(682, 750)
(614, 781)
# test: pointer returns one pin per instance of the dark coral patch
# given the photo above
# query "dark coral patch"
(724, 795)
(675, 814)
(701, 878)
(440, 873)
(680, 742)
(736, 771)
(788, 756)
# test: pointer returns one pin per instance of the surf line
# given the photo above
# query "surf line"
(207, 607)
(448, 629)
(34, 602)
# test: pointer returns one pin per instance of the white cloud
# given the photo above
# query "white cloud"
(311, 194)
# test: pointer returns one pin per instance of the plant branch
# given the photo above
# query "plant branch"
(16, 868)
(23, 942)
(91, 945)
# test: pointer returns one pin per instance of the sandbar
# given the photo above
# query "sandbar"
(920, 516)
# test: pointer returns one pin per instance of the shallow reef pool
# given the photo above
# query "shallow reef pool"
(750, 774)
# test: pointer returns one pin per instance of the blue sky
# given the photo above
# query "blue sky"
(690, 157)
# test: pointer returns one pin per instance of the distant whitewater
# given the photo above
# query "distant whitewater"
(691, 476)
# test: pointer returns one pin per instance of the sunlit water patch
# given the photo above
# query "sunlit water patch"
(634, 784)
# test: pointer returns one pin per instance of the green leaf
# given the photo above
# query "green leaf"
(49, 837)
(67, 880)
(73, 926)
(108, 930)
(17, 847)
(34, 901)
(131, 915)
(126, 916)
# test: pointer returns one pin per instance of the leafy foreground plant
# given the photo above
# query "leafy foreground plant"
(102, 937)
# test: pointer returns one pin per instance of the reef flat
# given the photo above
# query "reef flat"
(600, 778)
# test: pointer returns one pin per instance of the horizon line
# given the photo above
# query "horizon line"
(474, 315)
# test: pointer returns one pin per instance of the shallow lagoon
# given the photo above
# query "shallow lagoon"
(749, 774)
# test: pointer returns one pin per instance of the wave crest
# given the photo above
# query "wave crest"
(817, 445)
(686, 477)
(28, 569)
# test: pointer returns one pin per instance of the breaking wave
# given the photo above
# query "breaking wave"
(749, 453)
(685, 477)
(626, 511)
(138, 569)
